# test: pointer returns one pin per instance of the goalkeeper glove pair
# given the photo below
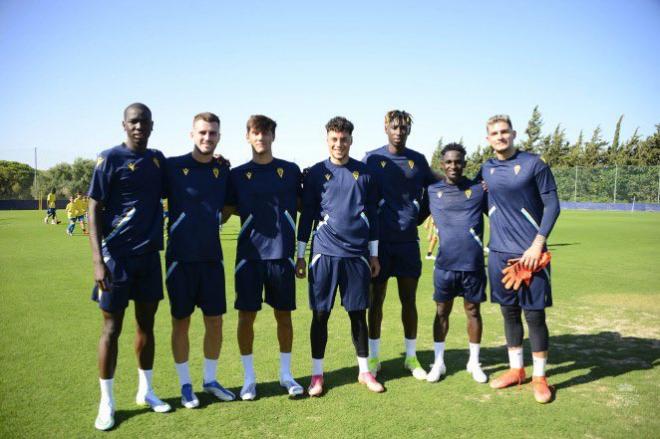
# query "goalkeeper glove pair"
(516, 273)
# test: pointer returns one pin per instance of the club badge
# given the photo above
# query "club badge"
(516, 169)
(216, 172)
(280, 172)
(327, 177)
(468, 193)
(411, 164)
(248, 174)
(356, 174)
(383, 163)
(185, 171)
(131, 166)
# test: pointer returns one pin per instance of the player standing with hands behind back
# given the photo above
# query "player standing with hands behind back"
(523, 207)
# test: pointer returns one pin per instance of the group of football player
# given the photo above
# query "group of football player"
(362, 219)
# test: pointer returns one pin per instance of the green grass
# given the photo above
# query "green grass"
(604, 353)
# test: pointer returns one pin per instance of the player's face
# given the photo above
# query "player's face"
(453, 163)
(206, 136)
(500, 137)
(261, 141)
(138, 125)
(397, 133)
(339, 144)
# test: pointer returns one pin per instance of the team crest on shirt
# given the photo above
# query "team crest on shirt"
(411, 164)
(439, 194)
(131, 166)
(516, 169)
(327, 177)
(383, 163)
(248, 175)
(99, 160)
(185, 171)
(280, 172)
(156, 162)
(492, 170)
(468, 193)
(356, 174)
(216, 172)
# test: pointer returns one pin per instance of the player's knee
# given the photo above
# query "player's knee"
(283, 319)
(246, 318)
(111, 331)
(472, 311)
(511, 313)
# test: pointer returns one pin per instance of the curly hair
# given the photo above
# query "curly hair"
(339, 124)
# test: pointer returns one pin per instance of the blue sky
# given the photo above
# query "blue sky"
(69, 68)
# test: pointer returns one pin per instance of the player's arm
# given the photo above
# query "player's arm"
(309, 207)
(101, 273)
(547, 188)
(372, 216)
(231, 200)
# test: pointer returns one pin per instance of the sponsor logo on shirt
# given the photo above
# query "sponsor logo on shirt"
(131, 166)
(439, 194)
(327, 177)
(383, 163)
(516, 169)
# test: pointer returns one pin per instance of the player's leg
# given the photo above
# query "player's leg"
(107, 361)
(354, 279)
(473, 285)
(181, 282)
(474, 330)
(323, 280)
(249, 284)
(145, 347)
(433, 241)
(514, 332)
(377, 292)
(280, 294)
(245, 335)
(72, 225)
(211, 299)
(440, 330)
(408, 297)
(539, 341)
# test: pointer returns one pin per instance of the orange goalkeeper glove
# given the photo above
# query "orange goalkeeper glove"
(516, 273)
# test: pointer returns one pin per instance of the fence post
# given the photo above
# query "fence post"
(575, 186)
(616, 177)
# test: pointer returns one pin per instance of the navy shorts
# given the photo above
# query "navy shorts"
(398, 259)
(137, 278)
(271, 281)
(195, 283)
(80, 218)
(537, 296)
(471, 285)
(50, 211)
(351, 275)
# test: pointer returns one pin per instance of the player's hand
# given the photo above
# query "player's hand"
(222, 160)
(375, 265)
(484, 185)
(301, 268)
(101, 276)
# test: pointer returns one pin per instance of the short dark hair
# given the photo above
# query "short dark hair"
(454, 147)
(261, 123)
(206, 117)
(339, 124)
(137, 105)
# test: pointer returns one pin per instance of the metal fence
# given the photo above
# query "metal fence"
(609, 184)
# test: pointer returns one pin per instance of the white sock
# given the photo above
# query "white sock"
(106, 391)
(210, 367)
(144, 381)
(374, 347)
(248, 368)
(439, 348)
(411, 347)
(363, 364)
(317, 366)
(183, 371)
(539, 366)
(516, 358)
(474, 353)
(285, 364)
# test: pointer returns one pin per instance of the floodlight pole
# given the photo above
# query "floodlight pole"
(616, 176)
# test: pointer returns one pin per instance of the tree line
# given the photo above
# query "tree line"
(597, 153)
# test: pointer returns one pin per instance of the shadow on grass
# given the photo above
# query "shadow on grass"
(606, 354)
(562, 244)
(603, 355)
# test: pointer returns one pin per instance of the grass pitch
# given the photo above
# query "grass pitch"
(604, 351)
